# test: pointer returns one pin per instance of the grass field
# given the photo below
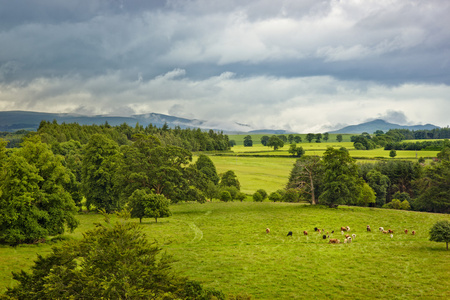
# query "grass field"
(224, 245)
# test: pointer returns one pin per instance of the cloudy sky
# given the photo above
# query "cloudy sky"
(299, 65)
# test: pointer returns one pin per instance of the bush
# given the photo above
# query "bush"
(275, 197)
(257, 197)
(405, 205)
(291, 195)
(394, 204)
(359, 146)
(225, 196)
(263, 193)
(240, 196)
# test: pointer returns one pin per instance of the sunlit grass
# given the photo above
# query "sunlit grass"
(224, 245)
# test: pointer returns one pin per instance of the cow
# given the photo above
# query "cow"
(391, 231)
(353, 236)
(343, 228)
(413, 232)
(289, 233)
(334, 241)
(406, 231)
(267, 230)
(324, 236)
(368, 228)
(305, 232)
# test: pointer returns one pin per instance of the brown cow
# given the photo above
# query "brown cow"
(305, 232)
(267, 230)
(391, 231)
(347, 236)
(334, 241)
(406, 231)
(413, 232)
(343, 228)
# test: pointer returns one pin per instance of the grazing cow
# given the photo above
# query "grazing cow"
(315, 228)
(332, 232)
(353, 236)
(392, 235)
(267, 230)
(384, 231)
(349, 240)
(381, 228)
(324, 236)
(289, 233)
(345, 241)
(305, 232)
(343, 228)
(347, 236)
(319, 230)
(413, 232)
(368, 228)
(334, 241)
(348, 228)
(391, 231)
(342, 232)
(406, 231)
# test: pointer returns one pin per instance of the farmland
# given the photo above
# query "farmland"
(225, 246)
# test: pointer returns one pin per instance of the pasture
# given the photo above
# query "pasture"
(225, 246)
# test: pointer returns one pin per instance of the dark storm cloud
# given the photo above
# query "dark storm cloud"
(228, 58)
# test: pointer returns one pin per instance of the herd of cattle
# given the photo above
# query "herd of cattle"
(344, 230)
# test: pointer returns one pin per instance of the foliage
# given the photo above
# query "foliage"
(147, 204)
(33, 200)
(264, 140)
(101, 161)
(263, 193)
(310, 137)
(229, 178)
(110, 262)
(440, 232)
(275, 197)
(306, 176)
(291, 195)
(296, 151)
(275, 142)
(225, 196)
(248, 141)
(339, 138)
(379, 183)
(341, 182)
(257, 197)
(393, 153)
(205, 165)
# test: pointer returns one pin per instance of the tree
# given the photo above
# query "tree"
(339, 138)
(225, 196)
(264, 140)
(440, 232)
(101, 161)
(326, 136)
(263, 193)
(147, 204)
(310, 137)
(248, 141)
(275, 142)
(379, 183)
(291, 138)
(232, 143)
(205, 165)
(318, 137)
(229, 178)
(296, 151)
(297, 139)
(33, 200)
(257, 197)
(393, 153)
(275, 197)
(306, 175)
(341, 182)
(110, 262)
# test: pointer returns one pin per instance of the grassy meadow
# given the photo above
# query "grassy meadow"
(225, 246)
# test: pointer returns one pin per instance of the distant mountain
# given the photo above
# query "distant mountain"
(372, 126)
(15, 120)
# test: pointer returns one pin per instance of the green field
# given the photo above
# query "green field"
(224, 245)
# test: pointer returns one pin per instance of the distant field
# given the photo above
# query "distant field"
(256, 138)
(224, 245)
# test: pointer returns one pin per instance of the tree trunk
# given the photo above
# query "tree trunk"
(140, 220)
(156, 220)
(313, 198)
(447, 245)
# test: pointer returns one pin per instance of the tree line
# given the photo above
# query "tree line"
(337, 179)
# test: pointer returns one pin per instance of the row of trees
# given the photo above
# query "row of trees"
(189, 139)
(42, 185)
(338, 179)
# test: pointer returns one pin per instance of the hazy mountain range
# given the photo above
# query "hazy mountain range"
(16, 120)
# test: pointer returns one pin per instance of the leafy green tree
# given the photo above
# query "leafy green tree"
(291, 138)
(144, 204)
(101, 161)
(225, 196)
(275, 197)
(205, 165)
(310, 137)
(341, 182)
(296, 151)
(393, 153)
(283, 138)
(440, 232)
(339, 138)
(257, 197)
(240, 196)
(433, 189)
(367, 196)
(275, 142)
(297, 139)
(232, 143)
(263, 193)
(248, 141)
(379, 183)
(229, 178)
(318, 137)
(110, 262)
(264, 140)
(326, 136)
(444, 154)
(306, 176)
(33, 200)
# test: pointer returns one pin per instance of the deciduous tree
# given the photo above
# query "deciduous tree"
(440, 232)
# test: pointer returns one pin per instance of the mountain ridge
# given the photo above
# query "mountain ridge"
(379, 124)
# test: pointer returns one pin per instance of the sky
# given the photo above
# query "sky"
(298, 65)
